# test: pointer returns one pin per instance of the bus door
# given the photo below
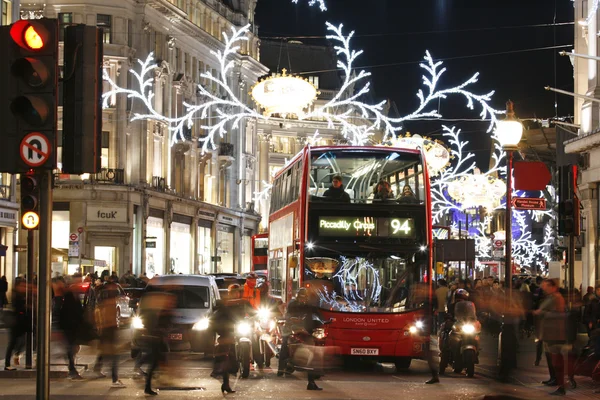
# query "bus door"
(277, 275)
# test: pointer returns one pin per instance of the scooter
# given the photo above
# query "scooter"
(268, 337)
(459, 346)
(243, 345)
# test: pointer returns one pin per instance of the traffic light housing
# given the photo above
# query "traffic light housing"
(569, 217)
(28, 102)
(30, 195)
(82, 100)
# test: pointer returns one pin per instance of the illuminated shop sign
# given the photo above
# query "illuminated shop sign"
(367, 226)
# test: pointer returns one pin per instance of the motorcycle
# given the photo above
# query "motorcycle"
(268, 337)
(459, 345)
(243, 345)
(306, 348)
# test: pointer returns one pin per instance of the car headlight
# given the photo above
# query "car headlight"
(468, 328)
(264, 313)
(243, 328)
(319, 333)
(136, 323)
(201, 325)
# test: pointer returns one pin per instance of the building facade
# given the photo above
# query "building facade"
(587, 141)
(156, 208)
(9, 207)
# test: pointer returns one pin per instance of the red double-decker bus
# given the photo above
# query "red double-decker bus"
(260, 249)
(364, 256)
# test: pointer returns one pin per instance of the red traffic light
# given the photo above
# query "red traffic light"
(30, 35)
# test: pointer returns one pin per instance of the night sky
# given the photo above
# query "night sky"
(394, 35)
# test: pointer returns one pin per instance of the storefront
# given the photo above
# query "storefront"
(155, 244)
(225, 247)
(181, 245)
(204, 246)
(8, 223)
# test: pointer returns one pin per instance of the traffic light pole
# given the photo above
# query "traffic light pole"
(571, 267)
(44, 290)
(29, 305)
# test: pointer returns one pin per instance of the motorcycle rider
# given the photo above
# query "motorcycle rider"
(227, 314)
(298, 308)
(463, 311)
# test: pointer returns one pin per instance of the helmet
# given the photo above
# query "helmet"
(302, 294)
(251, 279)
(460, 295)
(233, 287)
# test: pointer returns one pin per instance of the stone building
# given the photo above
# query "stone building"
(157, 208)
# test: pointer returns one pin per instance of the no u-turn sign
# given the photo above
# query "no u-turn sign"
(35, 149)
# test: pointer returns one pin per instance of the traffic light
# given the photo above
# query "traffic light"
(569, 217)
(30, 194)
(82, 96)
(28, 102)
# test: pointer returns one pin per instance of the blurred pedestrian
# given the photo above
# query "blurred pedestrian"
(70, 320)
(554, 332)
(441, 293)
(226, 315)
(19, 325)
(107, 307)
(3, 290)
(156, 310)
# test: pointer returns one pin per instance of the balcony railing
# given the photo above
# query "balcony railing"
(5, 192)
(114, 176)
(159, 183)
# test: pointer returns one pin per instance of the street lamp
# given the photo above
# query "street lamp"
(509, 132)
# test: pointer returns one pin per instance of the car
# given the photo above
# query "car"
(196, 297)
(90, 298)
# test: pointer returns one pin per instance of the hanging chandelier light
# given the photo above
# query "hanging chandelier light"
(477, 190)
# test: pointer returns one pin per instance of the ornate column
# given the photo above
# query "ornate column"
(589, 214)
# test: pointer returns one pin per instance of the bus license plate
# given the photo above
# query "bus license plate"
(364, 352)
(176, 336)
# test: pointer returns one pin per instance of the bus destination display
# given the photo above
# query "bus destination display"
(367, 226)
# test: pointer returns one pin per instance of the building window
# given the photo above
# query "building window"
(64, 20)
(6, 12)
(105, 22)
(104, 155)
(129, 33)
(314, 80)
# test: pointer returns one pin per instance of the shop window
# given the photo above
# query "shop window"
(6, 10)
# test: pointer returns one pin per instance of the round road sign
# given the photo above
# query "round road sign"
(30, 220)
(80, 230)
(73, 237)
(35, 149)
(498, 243)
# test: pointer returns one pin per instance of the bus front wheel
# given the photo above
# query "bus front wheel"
(403, 363)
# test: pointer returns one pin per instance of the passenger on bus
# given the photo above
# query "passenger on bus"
(408, 196)
(383, 191)
(336, 191)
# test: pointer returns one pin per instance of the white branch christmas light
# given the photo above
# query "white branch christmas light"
(311, 3)
(356, 120)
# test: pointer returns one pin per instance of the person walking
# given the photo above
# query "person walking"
(107, 307)
(3, 290)
(226, 315)
(553, 332)
(441, 294)
(19, 326)
(70, 319)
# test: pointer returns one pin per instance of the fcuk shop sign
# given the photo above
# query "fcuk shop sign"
(108, 214)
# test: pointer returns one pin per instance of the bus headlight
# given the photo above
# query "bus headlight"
(136, 323)
(243, 329)
(201, 325)
(419, 324)
(468, 329)
(413, 329)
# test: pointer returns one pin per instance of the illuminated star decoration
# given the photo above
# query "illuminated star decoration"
(313, 2)
(356, 120)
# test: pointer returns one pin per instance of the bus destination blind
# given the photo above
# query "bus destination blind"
(403, 228)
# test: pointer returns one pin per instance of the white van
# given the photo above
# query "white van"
(196, 299)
